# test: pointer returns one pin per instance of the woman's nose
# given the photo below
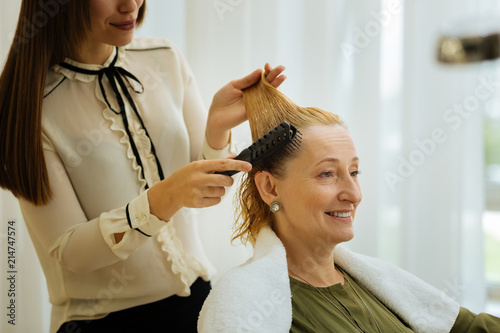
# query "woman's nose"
(350, 190)
(129, 6)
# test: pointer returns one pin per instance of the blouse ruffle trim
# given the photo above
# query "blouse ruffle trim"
(150, 159)
(142, 140)
(185, 266)
(139, 134)
(75, 76)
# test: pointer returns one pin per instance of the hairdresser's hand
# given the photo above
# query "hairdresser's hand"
(193, 186)
(228, 110)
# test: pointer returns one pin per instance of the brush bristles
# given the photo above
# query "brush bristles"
(284, 152)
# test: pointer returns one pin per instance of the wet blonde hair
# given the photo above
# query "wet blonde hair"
(266, 108)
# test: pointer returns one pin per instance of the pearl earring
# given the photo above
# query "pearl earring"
(275, 207)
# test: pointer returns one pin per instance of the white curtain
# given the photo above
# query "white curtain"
(417, 124)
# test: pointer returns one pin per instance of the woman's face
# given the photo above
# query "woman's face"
(320, 191)
(113, 21)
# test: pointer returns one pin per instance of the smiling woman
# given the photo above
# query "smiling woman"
(325, 189)
(265, 107)
(296, 212)
(319, 184)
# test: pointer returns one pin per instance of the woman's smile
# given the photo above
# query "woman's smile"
(343, 216)
(126, 25)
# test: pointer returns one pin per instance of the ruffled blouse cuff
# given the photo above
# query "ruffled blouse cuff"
(208, 153)
(140, 218)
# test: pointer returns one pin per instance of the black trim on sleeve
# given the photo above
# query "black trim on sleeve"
(145, 234)
(128, 217)
(130, 223)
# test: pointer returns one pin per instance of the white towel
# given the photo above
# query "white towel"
(256, 297)
(423, 307)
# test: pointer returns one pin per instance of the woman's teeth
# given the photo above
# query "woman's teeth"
(339, 214)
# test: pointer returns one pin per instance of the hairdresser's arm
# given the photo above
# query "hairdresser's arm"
(63, 230)
(81, 245)
(193, 186)
(228, 110)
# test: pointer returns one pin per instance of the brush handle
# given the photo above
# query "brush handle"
(245, 155)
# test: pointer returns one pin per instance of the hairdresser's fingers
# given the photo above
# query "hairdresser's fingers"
(190, 185)
(208, 202)
(274, 72)
(278, 81)
(248, 80)
(274, 75)
(211, 192)
(210, 179)
(267, 69)
(228, 164)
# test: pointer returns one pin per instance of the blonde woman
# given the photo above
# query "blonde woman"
(296, 212)
(104, 160)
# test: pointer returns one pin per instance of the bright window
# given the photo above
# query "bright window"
(491, 218)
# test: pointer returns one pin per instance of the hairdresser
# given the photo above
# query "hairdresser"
(106, 164)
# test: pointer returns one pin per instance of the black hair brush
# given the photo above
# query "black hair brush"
(278, 142)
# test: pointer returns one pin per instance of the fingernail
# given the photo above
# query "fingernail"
(248, 166)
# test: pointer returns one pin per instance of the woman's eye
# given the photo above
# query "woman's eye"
(355, 173)
(327, 174)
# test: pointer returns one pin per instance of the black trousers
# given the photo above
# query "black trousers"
(173, 314)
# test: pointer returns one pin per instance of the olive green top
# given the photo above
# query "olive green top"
(313, 313)
(468, 322)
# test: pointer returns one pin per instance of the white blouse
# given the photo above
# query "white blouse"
(94, 175)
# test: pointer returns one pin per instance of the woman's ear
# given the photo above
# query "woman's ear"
(266, 184)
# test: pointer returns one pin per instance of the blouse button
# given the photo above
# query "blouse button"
(181, 262)
(143, 217)
(137, 222)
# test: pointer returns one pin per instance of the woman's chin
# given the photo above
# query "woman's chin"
(344, 236)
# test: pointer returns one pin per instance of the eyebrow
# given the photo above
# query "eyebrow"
(336, 160)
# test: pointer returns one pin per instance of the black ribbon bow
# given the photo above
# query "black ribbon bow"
(120, 75)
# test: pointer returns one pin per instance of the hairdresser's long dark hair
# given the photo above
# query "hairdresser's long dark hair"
(47, 32)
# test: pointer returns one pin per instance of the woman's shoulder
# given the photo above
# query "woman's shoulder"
(148, 43)
(253, 297)
(153, 52)
(52, 81)
(244, 300)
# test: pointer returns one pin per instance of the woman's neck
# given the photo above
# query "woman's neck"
(311, 264)
(96, 54)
